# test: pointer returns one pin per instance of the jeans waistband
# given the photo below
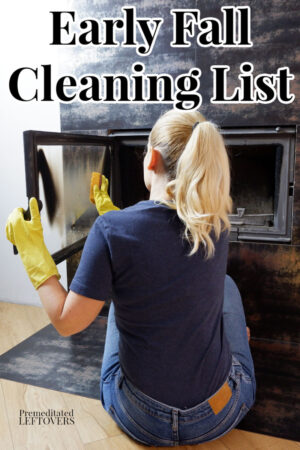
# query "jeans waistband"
(214, 403)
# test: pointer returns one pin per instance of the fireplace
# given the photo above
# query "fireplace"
(262, 168)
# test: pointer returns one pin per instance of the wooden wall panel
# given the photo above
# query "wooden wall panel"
(276, 411)
(268, 276)
(296, 208)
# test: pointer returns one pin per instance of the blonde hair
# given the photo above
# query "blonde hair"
(198, 171)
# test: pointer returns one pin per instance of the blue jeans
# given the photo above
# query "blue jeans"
(151, 422)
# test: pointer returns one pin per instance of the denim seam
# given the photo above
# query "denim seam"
(247, 380)
(205, 437)
(244, 408)
(143, 407)
(197, 418)
(164, 408)
(115, 417)
(175, 432)
(109, 377)
(142, 430)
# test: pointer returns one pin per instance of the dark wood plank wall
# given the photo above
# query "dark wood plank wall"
(268, 275)
(296, 209)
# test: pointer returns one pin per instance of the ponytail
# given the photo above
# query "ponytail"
(200, 186)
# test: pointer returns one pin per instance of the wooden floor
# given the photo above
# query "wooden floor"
(93, 428)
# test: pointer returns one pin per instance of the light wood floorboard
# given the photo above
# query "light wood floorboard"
(93, 428)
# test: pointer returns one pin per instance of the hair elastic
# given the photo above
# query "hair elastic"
(194, 126)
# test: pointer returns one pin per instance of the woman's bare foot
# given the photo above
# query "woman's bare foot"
(248, 333)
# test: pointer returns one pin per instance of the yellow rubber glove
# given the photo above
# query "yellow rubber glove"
(102, 199)
(27, 236)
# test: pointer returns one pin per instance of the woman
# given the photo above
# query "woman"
(177, 367)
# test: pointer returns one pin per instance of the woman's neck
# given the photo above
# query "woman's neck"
(158, 188)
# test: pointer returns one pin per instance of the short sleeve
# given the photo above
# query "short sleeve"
(93, 277)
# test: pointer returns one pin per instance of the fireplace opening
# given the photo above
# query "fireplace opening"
(262, 177)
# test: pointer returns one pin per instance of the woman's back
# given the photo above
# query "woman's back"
(177, 367)
(168, 305)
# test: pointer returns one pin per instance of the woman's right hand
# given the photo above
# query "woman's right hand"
(102, 199)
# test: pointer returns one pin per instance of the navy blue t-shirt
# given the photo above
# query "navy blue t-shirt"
(168, 305)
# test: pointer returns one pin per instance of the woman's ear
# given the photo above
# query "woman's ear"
(153, 159)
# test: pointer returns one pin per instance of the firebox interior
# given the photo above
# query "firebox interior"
(255, 175)
(132, 184)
